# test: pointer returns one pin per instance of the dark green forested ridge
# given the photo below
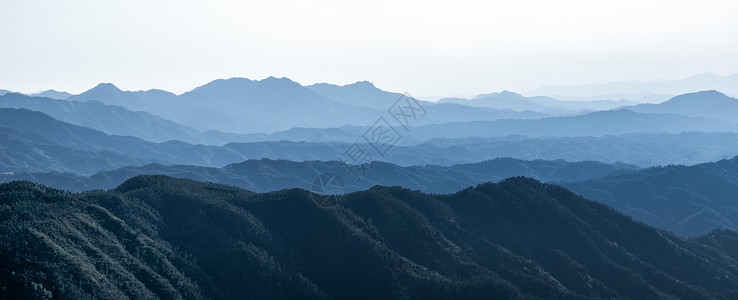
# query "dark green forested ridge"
(157, 236)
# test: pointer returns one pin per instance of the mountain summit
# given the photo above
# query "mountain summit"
(707, 104)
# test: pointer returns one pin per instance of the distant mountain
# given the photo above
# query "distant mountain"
(158, 237)
(270, 175)
(3, 92)
(362, 93)
(108, 93)
(629, 98)
(279, 102)
(688, 200)
(507, 100)
(596, 124)
(601, 123)
(641, 149)
(67, 137)
(541, 104)
(238, 105)
(53, 94)
(113, 120)
(703, 82)
(250, 106)
(28, 152)
(706, 104)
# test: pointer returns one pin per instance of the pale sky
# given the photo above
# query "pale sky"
(428, 48)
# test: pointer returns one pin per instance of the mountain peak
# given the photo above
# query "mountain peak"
(53, 94)
(503, 94)
(700, 98)
(363, 83)
(106, 87)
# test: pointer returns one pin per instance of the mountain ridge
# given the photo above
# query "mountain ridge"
(170, 237)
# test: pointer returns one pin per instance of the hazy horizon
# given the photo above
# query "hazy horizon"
(431, 49)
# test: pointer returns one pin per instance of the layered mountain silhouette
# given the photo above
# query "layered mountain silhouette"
(53, 94)
(706, 104)
(688, 200)
(35, 142)
(362, 93)
(113, 120)
(652, 91)
(542, 104)
(266, 175)
(156, 236)
(249, 106)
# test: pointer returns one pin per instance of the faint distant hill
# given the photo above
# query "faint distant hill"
(705, 104)
(702, 82)
(542, 104)
(3, 92)
(362, 93)
(53, 94)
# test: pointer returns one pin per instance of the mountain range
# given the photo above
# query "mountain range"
(35, 142)
(265, 175)
(53, 94)
(650, 91)
(705, 104)
(155, 236)
(688, 200)
(542, 104)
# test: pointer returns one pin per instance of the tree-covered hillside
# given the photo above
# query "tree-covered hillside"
(156, 236)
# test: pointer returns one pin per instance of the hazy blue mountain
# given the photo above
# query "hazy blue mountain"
(164, 104)
(159, 237)
(108, 93)
(628, 98)
(438, 113)
(688, 200)
(640, 149)
(511, 101)
(3, 92)
(28, 152)
(53, 94)
(237, 105)
(266, 175)
(362, 93)
(252, 106)
(279, 103)
(113, 120)
(705, 104)
(593, 124)
(601, 123)
(703, 82)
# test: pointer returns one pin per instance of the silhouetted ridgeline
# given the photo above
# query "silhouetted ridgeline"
(156, 236)
(266, 175)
